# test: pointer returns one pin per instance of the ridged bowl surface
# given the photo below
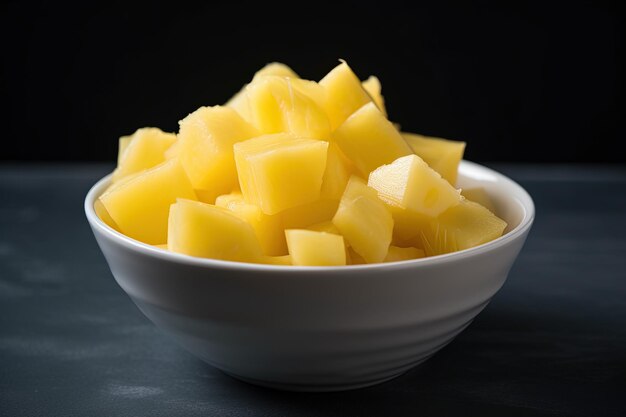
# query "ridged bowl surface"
(319, 328)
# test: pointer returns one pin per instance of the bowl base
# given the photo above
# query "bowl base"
(285, 386)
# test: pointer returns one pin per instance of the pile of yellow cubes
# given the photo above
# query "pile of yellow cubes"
(296, 172)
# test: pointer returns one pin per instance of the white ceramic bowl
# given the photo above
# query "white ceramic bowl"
(318, 328)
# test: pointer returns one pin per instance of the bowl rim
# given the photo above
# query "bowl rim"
(521, 195)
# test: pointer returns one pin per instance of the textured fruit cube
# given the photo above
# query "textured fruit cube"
(337, 173)
(207, 231)
(463, 226)
(140, 206)
(327, 227)
(409, 183)
(353, 258)
(442, 155)
(369, 140)
(406, 224)
(276, 105)
(142, 150)
(268, 228)
(206, 147)
(479, 195)
(364, 221)
(301, 217)
(309, 248)
(278, 172)
(344, 94)
(397, 253)
(239, 102)
(373, 88)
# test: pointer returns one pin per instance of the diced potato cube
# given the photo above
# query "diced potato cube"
(479, 195)
(206, 147)
(309, 248)
(397, 253)
(140, 206)
(207, 231)
(364, 221)
(344, 93)
(277, 106)
(373, 88)
(268, 228)
(409, 183)
(369, 140)
(278, 172)
(142, 150)
(442, 155)
(461, 227)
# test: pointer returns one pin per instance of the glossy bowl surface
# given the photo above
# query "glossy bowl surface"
(319, 328)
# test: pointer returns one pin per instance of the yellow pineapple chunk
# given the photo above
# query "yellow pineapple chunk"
(104, 215)
(206, 148)
(268, 228)
(443, 155)
(327, 227)
(239, 102)
(397, 253)
(406, 224)
(140, 206)
(463, 226)
(278, 172)
(337, 173)
(369, 140)
(301, 217)
(410, 184)
(276, 68)
(479, 195)
(144, 149)
(284, 260)
(364, 221)
(344, 93)
(276, 105)
(353, 258)
(123, 144)
(172, 151)
(373, 88)
(310, 248)
(207, 231)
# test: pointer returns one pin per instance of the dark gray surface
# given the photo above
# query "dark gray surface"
(552, 342)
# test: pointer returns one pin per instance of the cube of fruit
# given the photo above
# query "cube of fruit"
(442, 155)
(326, 227)
(207, 231)
(406, 224)
(268, 228)
(479, 195)
(140, 206)
(284, 260)
(344, 93)
(373, 88)
(337, 173)
(277, 106)
(278, 172)
(239, 102)
(303, 216)
(353, 258)
(409, 183)
(144, 149)
(104, 215)
(397, 253)
(369, 140)
(309, 248)
(364, 221)
(173, 151)
(463, 226)
(206, 147)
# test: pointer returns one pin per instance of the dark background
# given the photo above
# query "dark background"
(529, 83)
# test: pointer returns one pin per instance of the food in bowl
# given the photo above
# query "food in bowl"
(296, 172)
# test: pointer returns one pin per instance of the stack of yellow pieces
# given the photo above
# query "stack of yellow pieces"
(296, 172)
